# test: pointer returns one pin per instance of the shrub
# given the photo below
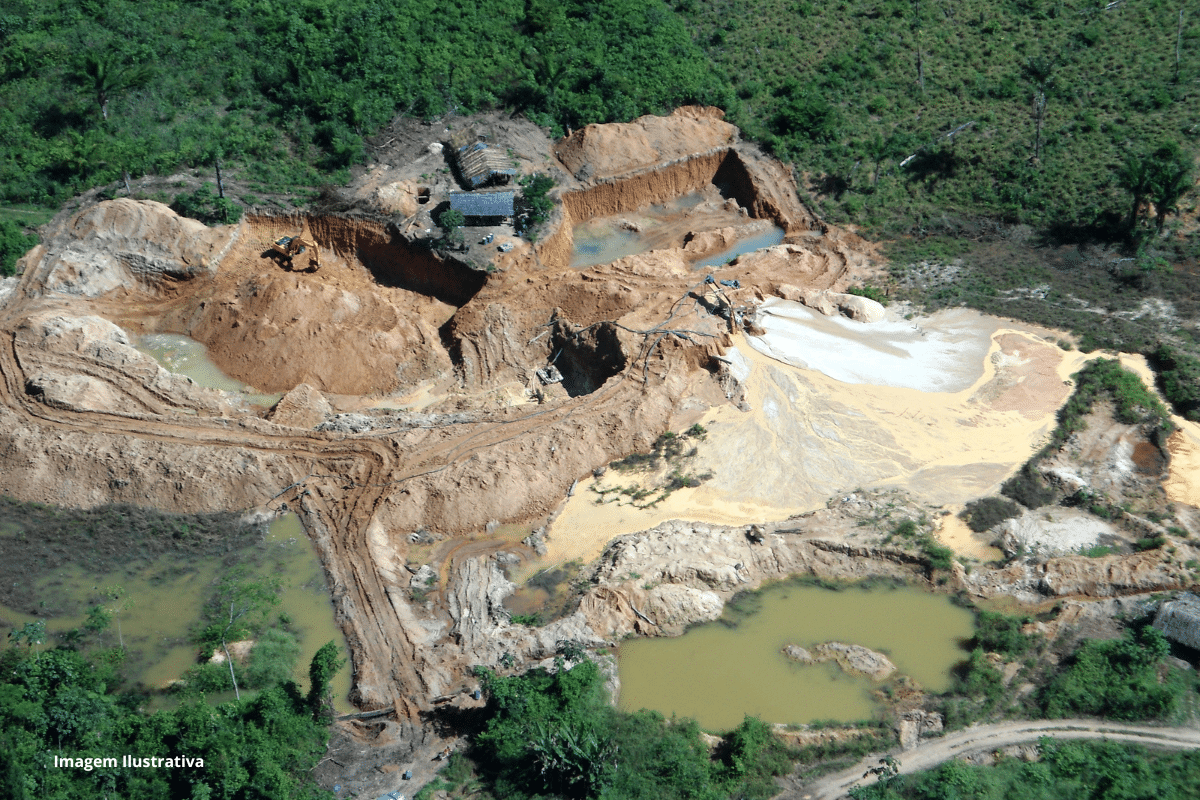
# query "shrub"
(939, 557)
(1149, 543)
(1116, 678)
(1028, 488)
(1000, 633)
(869, 292)
(205, 206)
(13, 244)
(985, 513)
(209, 678)
(555, 735)
(534, 206)
(1178, 378)
(976, 678)
(273, 659)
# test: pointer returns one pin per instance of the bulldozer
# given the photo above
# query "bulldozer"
(291, 246)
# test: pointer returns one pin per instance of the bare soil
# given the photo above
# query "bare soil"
(473, 439)
(385, 314)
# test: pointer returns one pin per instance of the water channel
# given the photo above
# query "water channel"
(186, 356)
(718, 672)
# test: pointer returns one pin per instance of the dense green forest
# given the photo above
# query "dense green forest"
(65, 701)
(1068, 113)
(285, 92)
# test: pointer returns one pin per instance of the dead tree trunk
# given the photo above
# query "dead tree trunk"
(1178, 44)
(1039, 114)
(220, 182)
(229, 658)
(920, 60)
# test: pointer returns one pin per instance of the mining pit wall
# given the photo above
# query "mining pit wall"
(391, 258)
(724, 167)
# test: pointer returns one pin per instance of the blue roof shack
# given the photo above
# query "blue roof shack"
(488, 205)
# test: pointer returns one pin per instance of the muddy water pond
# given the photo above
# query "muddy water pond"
(605, 239)
(186, 356)
(768, 238)
(718, 672)
(161, 601)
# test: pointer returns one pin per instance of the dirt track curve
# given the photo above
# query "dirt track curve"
(986, 738)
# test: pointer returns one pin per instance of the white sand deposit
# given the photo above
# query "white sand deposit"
(941, 353)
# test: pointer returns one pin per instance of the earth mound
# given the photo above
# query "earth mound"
(122, 243)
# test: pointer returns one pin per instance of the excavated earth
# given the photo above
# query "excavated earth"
(414, 429)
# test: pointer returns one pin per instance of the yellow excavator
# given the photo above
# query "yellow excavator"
(291, 246)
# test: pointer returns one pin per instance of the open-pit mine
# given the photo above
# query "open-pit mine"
(446, 420)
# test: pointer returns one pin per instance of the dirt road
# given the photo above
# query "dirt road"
(986, 738)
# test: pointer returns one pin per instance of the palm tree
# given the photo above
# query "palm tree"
(1136, 177)
(1172, 180)
(108, 80)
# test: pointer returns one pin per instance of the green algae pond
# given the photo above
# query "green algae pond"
(162, 593)
(718, 672)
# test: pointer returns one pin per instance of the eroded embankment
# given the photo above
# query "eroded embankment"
(394, 261)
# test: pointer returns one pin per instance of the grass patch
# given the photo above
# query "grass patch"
(669, 449)
(871, 293)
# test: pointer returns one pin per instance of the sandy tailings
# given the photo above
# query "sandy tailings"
(806, 436)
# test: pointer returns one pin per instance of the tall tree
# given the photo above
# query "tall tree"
(1161, 176)
(1172, 179)
(1135, 177)
(238, 608)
